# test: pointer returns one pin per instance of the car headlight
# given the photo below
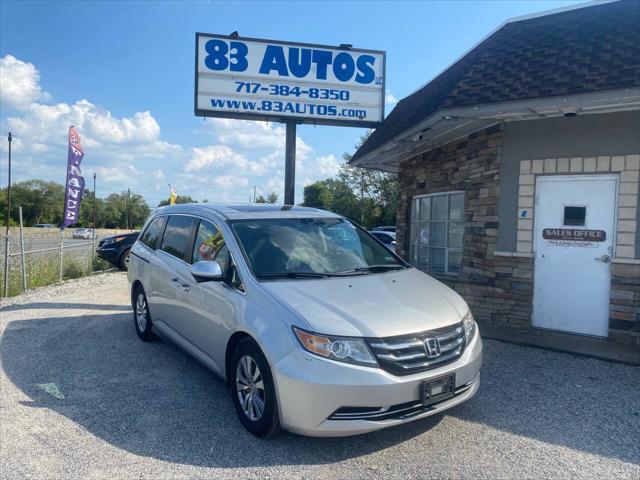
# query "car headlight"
(341, 349)
(109, 241)
(469, 326)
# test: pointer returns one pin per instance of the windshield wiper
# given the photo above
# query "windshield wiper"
(372, 269)
(294, 275)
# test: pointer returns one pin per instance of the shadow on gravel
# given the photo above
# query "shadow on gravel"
(62, 305)
(581, 403)
(153, 400)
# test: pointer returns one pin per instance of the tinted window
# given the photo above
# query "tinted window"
(177, 236)
(152, 233)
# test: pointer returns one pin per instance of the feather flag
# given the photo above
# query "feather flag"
(172, 195)
(75, 180)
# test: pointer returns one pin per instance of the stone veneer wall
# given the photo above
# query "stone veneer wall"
(499, 285)
(498, 288)
(624, 306)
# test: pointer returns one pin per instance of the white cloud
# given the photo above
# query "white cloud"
(214, 156)
(19, 83)
(327, 166)
(229, 181)
(97, 127)
(158, 174)
(141, 128)
(390, 99)
(123, 173)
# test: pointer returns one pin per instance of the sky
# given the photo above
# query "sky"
(122, 73)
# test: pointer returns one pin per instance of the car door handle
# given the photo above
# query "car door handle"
(185, 286)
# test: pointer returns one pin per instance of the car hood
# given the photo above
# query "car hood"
(126, 235)
(373, 305)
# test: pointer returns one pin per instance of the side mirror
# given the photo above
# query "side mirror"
(206, 271)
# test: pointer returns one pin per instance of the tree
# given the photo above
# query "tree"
(179, 199)
(317, 195)
(115, 210)
(43, 202)
(272, 197)
(368, 197)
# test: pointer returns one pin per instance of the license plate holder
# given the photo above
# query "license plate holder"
(438, 389)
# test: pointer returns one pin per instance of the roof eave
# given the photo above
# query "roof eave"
(446, 125)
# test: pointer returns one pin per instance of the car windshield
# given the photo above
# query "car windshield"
(311, 248)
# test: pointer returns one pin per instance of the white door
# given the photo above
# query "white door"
(573, 243)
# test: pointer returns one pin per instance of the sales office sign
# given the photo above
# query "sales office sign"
(573, 237)
(256, 79)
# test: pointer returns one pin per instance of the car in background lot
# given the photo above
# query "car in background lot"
(388, 238)
(316, 327)
(85, 233)
(44, 225)
(384, 228)
(115, 249)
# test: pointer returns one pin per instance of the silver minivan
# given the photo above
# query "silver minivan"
(316, 326)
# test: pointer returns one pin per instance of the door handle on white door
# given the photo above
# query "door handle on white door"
(604, 258)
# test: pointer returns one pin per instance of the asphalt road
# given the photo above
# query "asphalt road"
(82, 397)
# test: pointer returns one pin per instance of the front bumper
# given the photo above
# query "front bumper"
(310, 389)
(110, 254)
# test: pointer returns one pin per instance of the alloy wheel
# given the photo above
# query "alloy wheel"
(141, 312)
(250, 388)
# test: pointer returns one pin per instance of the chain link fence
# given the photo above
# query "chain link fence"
(40, 256)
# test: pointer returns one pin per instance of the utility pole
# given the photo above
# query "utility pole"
(128, 209)
(6, 221)
(254, 194)
(93, 250)
(94, 204)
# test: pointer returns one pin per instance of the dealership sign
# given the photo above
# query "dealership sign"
(279, 81)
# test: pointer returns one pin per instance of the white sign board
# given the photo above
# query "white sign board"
(256, 79)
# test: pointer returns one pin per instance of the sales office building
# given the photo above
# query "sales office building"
(519, 174)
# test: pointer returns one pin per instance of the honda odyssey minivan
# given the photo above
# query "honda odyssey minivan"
(315, 325)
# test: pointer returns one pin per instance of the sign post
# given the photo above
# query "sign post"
(292, 83)
(290, 163)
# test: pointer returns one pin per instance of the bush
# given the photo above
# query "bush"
(72, 269)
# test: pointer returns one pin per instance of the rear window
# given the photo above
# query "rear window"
(153, 232)
(177, 236)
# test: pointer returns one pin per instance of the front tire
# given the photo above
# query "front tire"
(141, 315)
(124, 260)
(253, 390)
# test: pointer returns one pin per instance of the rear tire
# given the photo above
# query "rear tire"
(124, 260)
(253, 390)
(141, 315)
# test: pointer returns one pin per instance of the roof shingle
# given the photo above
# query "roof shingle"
(577, 51)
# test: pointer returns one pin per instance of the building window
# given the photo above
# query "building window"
(437, 231)
(575, 216)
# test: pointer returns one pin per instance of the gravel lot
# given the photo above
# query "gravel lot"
(82, 397)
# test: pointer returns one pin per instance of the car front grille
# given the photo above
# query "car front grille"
(407, 354)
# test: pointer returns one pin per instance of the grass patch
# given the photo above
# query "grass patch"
(44, 269)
